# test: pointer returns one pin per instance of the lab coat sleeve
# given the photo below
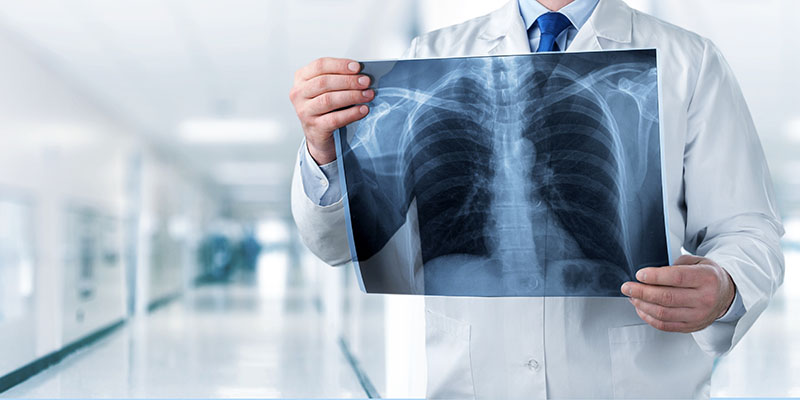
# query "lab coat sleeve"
(731, 215)
(322, 227)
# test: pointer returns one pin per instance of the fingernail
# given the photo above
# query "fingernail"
(353, 66)
(641, 276)
(625, 288)
(363, 109)
(363, 80)
(367, 93)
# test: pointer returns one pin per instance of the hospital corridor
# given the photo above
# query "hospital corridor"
(148, 247)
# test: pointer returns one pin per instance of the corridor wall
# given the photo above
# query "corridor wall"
(72, 181)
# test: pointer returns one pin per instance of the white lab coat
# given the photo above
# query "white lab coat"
(720, 205)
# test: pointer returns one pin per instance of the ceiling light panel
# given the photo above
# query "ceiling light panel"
(229, 131)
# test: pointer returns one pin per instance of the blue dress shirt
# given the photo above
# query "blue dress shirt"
(320, 182)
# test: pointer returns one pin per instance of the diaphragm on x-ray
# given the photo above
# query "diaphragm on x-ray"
(525, 175)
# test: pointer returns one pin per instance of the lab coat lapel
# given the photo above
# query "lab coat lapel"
(609, 27)
(505, 31)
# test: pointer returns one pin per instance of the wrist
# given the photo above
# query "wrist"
(729, 293)
(322, 154)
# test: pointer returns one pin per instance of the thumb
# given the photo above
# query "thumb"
(688, 259)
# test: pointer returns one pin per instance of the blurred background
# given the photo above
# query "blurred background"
(146, 243)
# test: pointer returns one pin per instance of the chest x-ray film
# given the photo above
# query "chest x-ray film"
(527, 175)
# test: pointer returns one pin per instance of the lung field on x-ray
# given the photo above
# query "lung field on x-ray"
(528, 175)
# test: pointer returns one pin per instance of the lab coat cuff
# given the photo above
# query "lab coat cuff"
(720, 337)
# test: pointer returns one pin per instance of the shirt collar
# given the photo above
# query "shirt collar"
(578, 12)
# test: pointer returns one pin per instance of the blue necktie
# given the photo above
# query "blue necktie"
(551, 25)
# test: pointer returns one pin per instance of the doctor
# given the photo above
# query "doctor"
(662, 340)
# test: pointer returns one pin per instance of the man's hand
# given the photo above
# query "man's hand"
(323, 94)
(686, 297)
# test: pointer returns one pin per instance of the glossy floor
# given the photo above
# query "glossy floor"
(218, 341)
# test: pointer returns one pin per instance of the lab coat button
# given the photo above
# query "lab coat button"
(323, 181)
(533, 365)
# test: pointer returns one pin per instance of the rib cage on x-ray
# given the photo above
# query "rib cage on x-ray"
(529, 175)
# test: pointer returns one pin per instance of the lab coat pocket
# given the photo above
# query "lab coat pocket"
(448, 356)
(647, 363)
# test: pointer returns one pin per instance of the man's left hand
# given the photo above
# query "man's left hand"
(685, 297)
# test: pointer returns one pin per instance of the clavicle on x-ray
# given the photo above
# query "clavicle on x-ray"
(526, 175)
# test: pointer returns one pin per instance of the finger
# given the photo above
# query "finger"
(661, 295)
(328, 65)
(668, 314)
(676, 276)
(664, 325)
(337, 119)
(330, 101)
(331, 83)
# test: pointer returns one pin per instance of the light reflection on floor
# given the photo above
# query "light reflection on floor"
(224, 341)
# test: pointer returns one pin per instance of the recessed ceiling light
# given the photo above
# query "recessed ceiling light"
(250, 173)
(256, 194)
(234, 130)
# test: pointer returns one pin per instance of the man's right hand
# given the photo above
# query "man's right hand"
(323, 95)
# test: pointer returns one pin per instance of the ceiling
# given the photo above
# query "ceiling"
(159, 66)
